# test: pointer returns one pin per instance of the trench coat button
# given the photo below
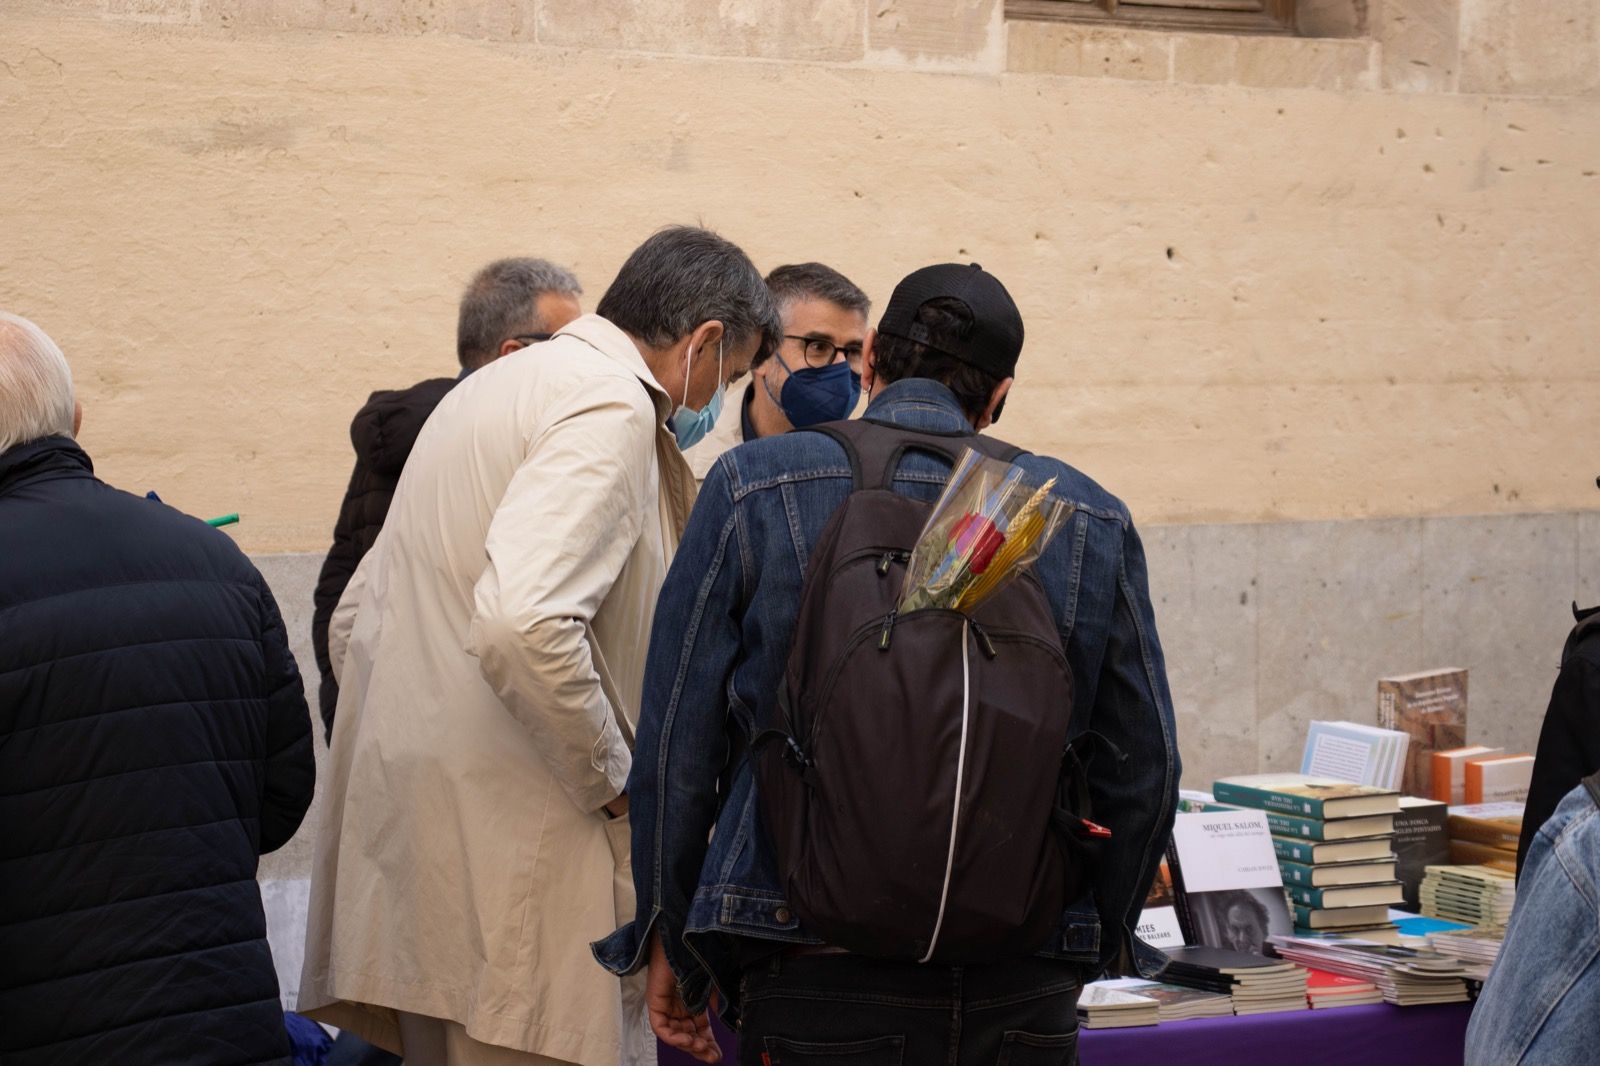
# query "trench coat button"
(782, 915)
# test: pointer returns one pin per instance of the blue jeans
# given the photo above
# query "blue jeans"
(1541, 1003)
(849, 1010)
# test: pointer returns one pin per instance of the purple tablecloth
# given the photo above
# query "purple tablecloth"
(1348, 1036)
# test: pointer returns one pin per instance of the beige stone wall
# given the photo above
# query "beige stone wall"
(1264, 278)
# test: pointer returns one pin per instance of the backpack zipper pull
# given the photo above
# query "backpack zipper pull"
(891, 557)
(984, 643)
(888, 630)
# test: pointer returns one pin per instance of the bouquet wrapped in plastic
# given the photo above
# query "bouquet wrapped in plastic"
(989, 524)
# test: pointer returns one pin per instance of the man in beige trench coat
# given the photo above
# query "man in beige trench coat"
(490, 652)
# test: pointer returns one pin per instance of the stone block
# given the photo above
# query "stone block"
(938, 30)
(292, 577)
(1549, 47)
(166, 11)
(1341, 606)
(1419, 44)
(511, 20)
(1203, 589)
(1333, 18)
(1270, 62)
(775, 29)
(1034, 47)
(1496, 597)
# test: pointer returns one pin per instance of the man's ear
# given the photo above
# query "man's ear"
(706, 336)
(997, 399)
(869, 361)
(509, 345)
(77, 418)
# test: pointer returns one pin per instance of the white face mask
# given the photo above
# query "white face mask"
(691, 427)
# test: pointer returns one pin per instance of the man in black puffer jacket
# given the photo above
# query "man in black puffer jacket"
(154, 742)
(510, 304)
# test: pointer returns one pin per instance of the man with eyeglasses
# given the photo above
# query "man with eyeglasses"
(508, 305)
(815, 374)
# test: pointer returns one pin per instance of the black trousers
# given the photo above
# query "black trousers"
(848, 1010)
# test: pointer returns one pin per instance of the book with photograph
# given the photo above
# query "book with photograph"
(1225, 872)
(1158, 921)
(1431, 708)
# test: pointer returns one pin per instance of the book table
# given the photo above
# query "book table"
(1377, 1035)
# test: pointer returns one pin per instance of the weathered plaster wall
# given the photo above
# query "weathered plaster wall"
(1368, 293)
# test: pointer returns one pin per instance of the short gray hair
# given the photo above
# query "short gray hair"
(501, 302)
(35, 384)
(683, 276)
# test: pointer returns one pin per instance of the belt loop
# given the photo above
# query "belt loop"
(775, 964)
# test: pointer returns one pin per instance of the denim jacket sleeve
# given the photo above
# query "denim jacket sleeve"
(682, 741)
(1133, 710)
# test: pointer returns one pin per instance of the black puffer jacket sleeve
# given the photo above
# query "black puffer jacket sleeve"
(291, 769)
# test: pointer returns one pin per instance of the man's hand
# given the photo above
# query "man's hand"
(670, 1019)
(618, 807)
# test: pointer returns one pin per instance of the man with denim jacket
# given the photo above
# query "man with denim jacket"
(712, 915)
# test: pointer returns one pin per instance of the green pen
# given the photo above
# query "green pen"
(224, 520)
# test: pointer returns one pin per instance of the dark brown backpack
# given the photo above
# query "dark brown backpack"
(915, 778)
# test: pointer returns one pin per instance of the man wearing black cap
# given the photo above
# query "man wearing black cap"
(714, 916)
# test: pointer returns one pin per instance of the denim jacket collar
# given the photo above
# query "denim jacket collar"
(919, 403)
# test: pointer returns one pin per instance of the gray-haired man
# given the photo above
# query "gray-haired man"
(508, 305)
(476, 836)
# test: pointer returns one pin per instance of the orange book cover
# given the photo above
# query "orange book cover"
(1499, 778)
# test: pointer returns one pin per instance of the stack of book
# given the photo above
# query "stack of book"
(1481, 946)
(1258, 985)
(1176, 1003)
(1407, 977)
(1334, 846)
(1480, 895)
(1327, 990)
(1101, 1007)
(1485, 834)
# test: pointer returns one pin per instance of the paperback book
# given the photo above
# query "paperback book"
(1421, 839)
(1499, 779)
(1351, 751)
(1225, 876)
(1449, 774)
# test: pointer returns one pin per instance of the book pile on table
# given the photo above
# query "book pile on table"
(1334, 843)
(1103, 1007)
(1327, 990)
(1480, 895)
(1258, 985)
(1480, 946)
(1485, 834)
(1407, 977)
(1176, 1002)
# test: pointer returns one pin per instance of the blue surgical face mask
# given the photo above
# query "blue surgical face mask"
(816, 394)
(691, 427)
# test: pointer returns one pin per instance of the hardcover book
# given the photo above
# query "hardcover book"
(1337, 896)
(1421, 839)
(1316, 853)
(1449, 781)
(1301, 875)
(1307, 797)
(1289, 825)
(1339, 917)
(1431, 708)
(1225, 874)
(1499, 779)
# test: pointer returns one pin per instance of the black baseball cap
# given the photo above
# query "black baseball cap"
(995, 340)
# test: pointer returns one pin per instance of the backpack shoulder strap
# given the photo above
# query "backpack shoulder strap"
(875, 448)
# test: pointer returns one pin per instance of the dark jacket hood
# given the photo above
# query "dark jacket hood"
(386, 428)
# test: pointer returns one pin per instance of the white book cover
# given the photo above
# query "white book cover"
(1230, 884)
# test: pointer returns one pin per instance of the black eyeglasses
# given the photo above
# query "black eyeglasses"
(821, 352)
(532, 338)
